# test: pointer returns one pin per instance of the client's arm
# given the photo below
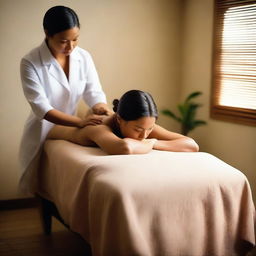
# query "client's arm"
(102, 136)
(170, 141)
(110, 143)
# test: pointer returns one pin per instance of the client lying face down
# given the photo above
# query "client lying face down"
(131, 130)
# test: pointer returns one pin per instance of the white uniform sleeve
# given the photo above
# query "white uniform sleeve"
(33, 89)
(93, 93)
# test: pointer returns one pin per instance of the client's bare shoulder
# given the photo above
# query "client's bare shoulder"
(88, 134)
(106, 125)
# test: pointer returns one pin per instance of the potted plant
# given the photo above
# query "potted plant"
(187, 111)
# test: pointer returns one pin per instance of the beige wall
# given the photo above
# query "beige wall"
(162, 46)
(233, 143)
(134, 43)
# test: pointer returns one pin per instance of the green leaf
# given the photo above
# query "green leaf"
(182, 109)
(199, 122)
(190, 112)
(169, 113)
(192, 95)
(196, 123)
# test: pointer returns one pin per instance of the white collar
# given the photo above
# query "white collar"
(48, 58)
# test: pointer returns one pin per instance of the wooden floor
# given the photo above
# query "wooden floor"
(21, 235)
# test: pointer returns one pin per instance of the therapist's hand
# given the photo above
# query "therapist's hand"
(102, 109)
(91, 120)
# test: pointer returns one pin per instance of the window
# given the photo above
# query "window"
(234, 62)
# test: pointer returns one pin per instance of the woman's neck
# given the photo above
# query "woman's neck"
(62, 59)
(64, 63)
(116, 127)
(113, 124)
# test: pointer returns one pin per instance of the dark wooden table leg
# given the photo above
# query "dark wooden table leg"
(45, 215)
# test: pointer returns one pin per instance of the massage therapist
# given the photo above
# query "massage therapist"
(54, 77)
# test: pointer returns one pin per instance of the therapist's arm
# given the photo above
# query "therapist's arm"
(57, 117)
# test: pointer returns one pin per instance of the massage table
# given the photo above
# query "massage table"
(155, 204)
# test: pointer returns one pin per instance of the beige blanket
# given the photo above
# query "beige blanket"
(161, 203)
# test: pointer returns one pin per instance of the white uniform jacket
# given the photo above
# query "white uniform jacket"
(46, 87)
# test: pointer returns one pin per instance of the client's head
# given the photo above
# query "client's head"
(136, 114)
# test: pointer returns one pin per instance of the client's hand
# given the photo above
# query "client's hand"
(151, 141)
(140, 146)
(91, 120)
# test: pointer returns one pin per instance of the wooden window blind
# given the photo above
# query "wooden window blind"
(233, 95)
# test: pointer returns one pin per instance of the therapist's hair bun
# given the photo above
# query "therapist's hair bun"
(115, 104)
(59, 18)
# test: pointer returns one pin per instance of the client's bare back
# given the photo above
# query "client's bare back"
(81, 136)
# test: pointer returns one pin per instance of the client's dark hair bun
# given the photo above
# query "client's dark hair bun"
(115, 104)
